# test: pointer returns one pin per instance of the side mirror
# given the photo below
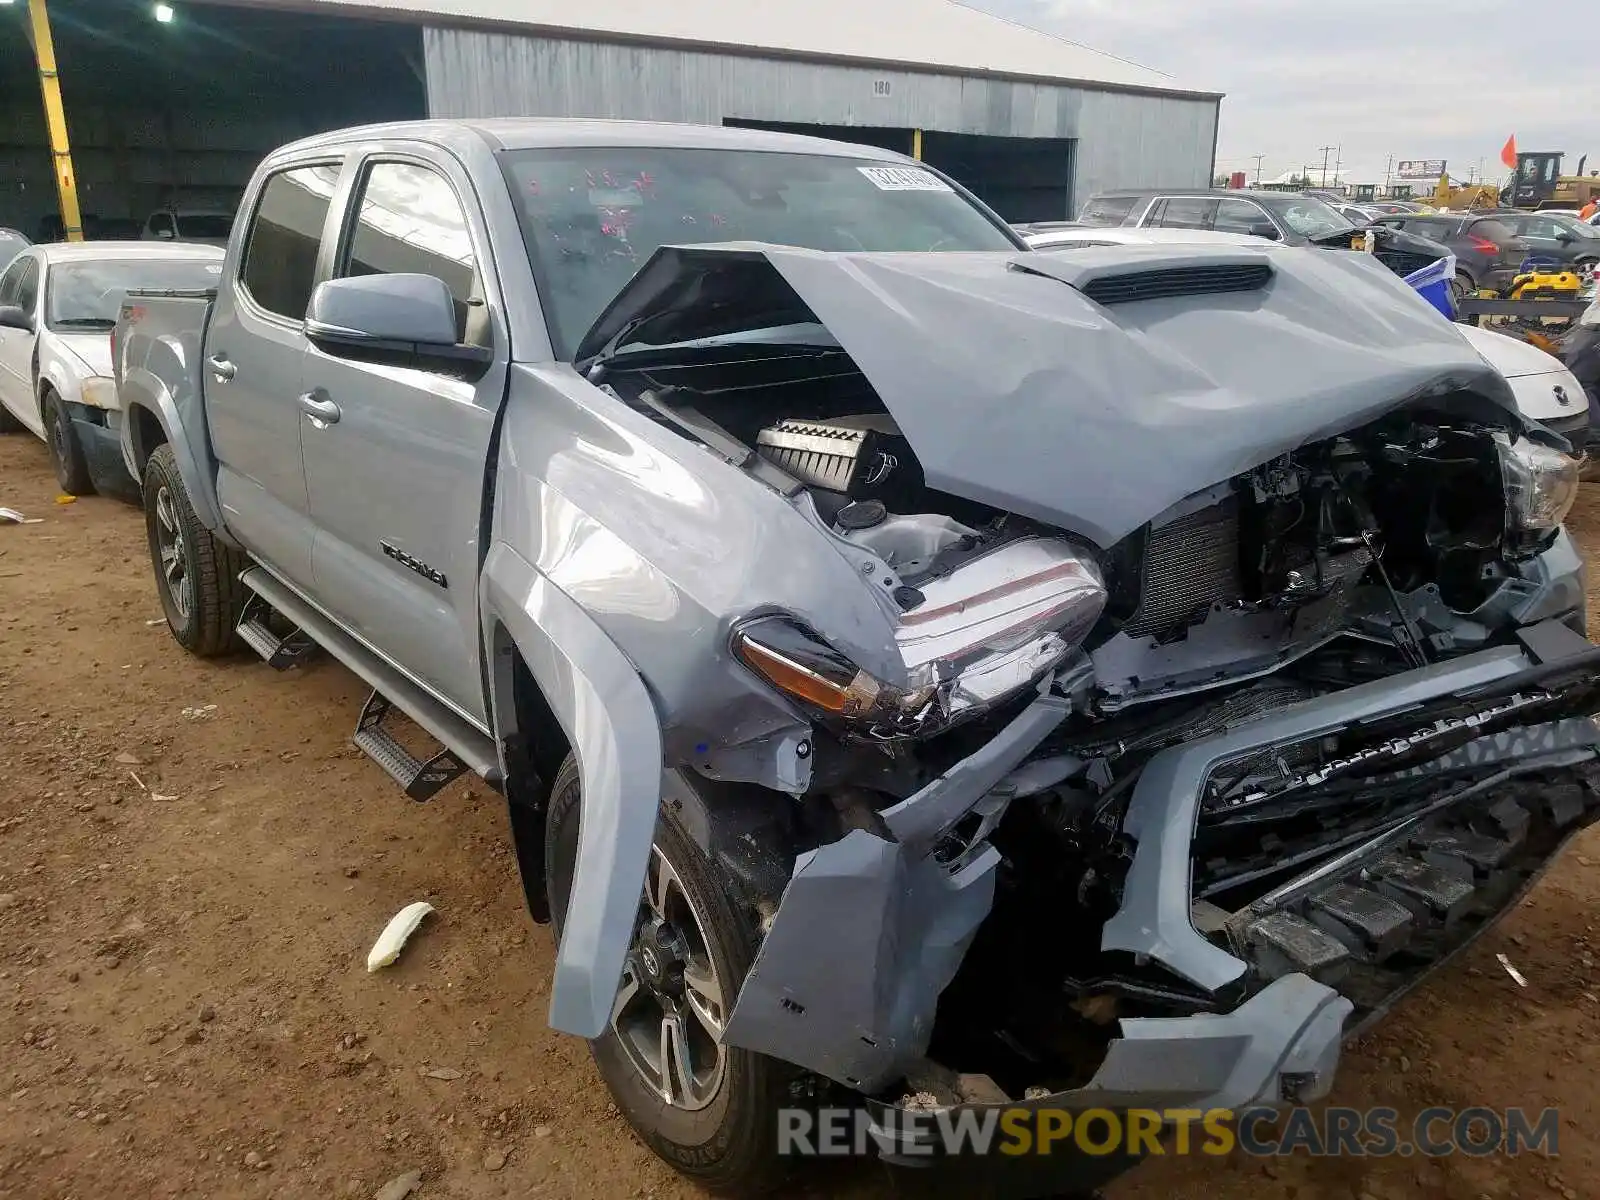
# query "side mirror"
(390, 317)
(1565, 238)
(1264, 229)
(12, 317)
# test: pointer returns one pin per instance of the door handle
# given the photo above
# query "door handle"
(221, 368)
(322, 411)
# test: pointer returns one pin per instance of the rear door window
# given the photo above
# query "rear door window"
(1107, 210)
(1187, 212)
(1243, 216)
(1495, 231)
(280, 257)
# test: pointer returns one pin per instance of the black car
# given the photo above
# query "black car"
(12, 243)
(1488, 251)
(1580, 351)
(1288, 217)
(1560, 239)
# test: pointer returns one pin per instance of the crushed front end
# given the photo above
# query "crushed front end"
(1169, 781)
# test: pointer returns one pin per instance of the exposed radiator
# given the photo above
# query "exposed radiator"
(1189, 564)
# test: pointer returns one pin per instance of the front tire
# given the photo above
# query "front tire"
(708, 1110)
(196, 574)
(66, 452)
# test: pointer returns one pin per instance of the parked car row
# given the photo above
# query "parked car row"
(849, 599)
(1287, 217)
(208, 226)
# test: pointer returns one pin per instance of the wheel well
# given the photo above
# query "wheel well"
(535, 748)
(147, 434)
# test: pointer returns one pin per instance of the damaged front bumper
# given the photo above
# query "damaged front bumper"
(871, 930)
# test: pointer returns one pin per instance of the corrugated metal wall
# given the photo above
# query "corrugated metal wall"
(1123, 139)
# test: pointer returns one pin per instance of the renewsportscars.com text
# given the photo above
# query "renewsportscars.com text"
(1260, 1132)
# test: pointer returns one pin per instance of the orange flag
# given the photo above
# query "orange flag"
(1508, 152)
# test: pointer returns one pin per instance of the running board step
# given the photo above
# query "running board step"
(279, 653)
(422, 779)
(470, 743)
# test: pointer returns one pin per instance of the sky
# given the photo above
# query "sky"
(1375, 77)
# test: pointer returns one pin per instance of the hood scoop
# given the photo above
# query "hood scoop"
(1183, 281)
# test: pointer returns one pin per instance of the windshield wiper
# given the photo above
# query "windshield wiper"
(84, 323)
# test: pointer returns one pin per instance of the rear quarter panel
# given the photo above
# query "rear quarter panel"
(160, 353)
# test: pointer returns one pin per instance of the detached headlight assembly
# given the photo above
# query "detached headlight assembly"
(800, 664)
(1540, 484)
(982, 633)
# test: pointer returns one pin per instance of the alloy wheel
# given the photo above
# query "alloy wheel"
(669, 1012)
(174, 554)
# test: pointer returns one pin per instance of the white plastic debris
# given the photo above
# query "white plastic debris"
(201, 713)
(393, 938)
(1516, 975)
(11, 516)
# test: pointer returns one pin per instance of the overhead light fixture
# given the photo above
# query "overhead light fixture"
(164, 13)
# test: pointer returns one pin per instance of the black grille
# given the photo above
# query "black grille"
(1180, 281)
(1189, 565)
(1403, 262)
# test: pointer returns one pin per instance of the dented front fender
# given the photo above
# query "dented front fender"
(608, 717)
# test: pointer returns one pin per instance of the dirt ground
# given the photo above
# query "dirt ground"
(194, 861)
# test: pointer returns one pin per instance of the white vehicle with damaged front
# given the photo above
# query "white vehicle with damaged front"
(915, 665)
(58, 306)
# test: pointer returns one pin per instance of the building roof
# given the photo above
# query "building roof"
(919, 34)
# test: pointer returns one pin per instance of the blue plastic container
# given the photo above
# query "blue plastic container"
(1433, 284)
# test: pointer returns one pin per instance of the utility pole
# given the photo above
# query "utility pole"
(1258, 158)
(1388, 172)
(1338, 164)
(44, 52)
(1326, 150)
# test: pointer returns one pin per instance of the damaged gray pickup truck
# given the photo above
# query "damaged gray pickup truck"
(917, 667)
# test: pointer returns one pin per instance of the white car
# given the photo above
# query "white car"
(58, 305)
(1545, 389)
(207, 226)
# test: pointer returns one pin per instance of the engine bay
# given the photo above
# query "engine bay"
(1385, 533)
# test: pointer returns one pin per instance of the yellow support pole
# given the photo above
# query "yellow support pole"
(916, 142)
(55, 115)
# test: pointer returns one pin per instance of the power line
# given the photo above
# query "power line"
(1326, 150)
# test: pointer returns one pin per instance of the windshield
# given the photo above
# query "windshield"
(592, 216)
(88, 295)
(1313, 218)
(216, 226)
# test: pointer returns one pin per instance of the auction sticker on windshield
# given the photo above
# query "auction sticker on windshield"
(904, 179)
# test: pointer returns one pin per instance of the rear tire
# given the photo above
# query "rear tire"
(1461, 287)
(197, 575)
(722, 1135)
(66, 452)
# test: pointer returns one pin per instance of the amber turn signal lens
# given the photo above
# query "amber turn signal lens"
(792, 678)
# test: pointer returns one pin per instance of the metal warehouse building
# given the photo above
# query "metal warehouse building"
(172, 108)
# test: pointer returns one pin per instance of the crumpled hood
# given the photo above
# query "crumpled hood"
(1017, 390)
